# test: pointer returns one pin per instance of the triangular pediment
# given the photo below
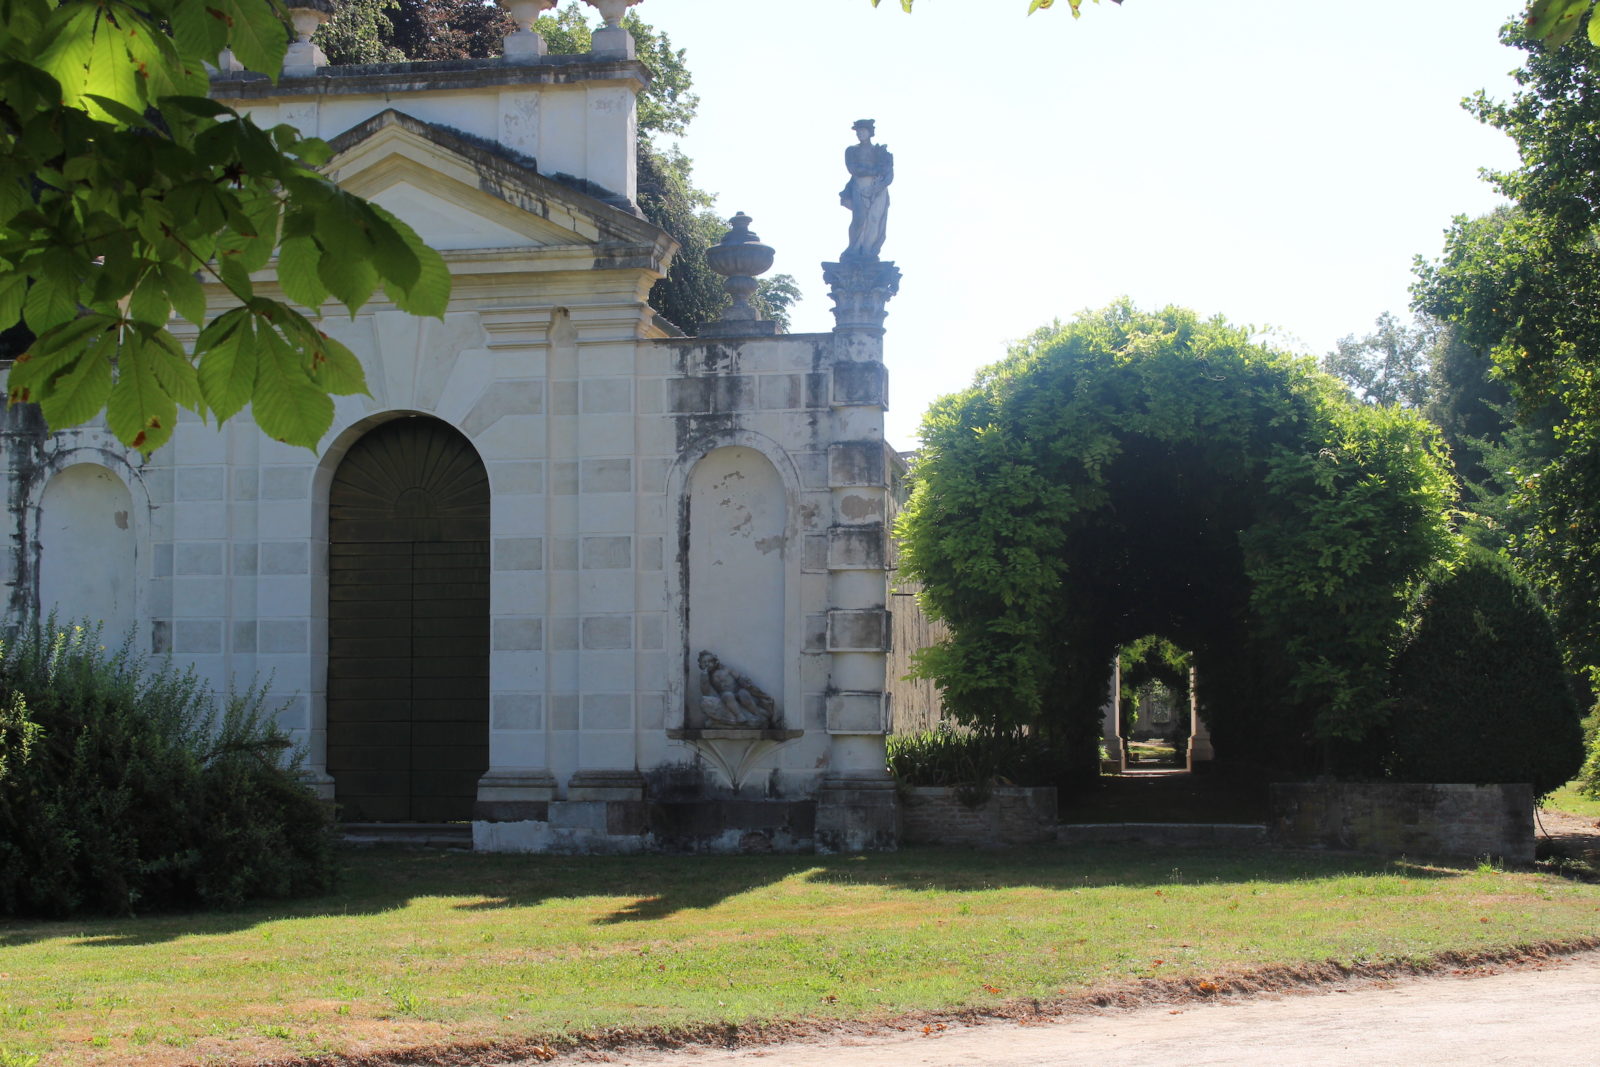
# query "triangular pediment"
(460, 193)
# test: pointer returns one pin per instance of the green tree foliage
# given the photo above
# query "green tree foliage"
(393, 31)
(360, 32)
(1524, 285)
(1133, 473)
(691, 294)
(121, 184)
(1480, 691)
(1589, 776)
(1471, 407)
(124, 788)
(1391, 364)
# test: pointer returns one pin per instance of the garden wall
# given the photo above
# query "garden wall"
(1417, 819)
(1013, 815)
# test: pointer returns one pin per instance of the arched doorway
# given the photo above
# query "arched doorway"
(408, 625)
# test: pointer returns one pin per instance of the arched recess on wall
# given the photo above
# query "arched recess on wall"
(88, 549)
(408, 624)
(735, 586)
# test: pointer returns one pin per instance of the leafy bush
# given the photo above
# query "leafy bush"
(973, 763)
(123, 788)
(1480, 692)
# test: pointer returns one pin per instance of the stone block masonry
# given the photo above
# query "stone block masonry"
(1010, 816)
(1406, 818)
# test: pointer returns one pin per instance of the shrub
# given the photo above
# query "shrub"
(1480, 692)
(973, 763)
(123, 787)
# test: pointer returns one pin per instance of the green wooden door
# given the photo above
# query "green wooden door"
(408, 625)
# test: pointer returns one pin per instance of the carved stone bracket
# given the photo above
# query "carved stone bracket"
(860, 289)
(735, 752)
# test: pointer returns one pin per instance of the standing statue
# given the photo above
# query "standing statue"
(733, 700)
(871, 170)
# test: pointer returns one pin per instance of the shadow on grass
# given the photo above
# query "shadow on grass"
(380, 880)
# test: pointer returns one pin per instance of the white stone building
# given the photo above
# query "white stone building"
(484, 596)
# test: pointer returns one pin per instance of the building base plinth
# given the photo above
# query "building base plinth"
(858, 816)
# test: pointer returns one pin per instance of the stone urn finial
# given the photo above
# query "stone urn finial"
(307, 16)
(739, 257)
(612, 10)
(524, 41)
(612, 40)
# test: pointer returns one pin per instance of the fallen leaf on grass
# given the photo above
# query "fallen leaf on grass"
(1207, 987)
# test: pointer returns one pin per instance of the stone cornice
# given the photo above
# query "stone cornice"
(434, 76)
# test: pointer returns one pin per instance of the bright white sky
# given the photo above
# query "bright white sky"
(1279, 162)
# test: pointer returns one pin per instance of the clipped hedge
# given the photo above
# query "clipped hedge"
(1480, 692)
(124, 787)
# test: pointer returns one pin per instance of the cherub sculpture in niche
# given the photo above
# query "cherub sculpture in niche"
(729, 700)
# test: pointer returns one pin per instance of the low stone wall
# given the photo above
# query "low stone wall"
(1415, 819)
(1013, 815)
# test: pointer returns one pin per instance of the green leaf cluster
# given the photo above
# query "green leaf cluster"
(1131, 473)
(122, 187)
(1555, 22)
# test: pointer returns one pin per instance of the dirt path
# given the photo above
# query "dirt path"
(1538, 1014)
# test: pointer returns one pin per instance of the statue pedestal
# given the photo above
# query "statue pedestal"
(860, 288)
(858, 813)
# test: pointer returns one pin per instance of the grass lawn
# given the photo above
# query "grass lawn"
(423, 947)
(1569, 800)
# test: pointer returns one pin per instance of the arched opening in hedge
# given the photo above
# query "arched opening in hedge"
(1154, 717)
(1133, 473)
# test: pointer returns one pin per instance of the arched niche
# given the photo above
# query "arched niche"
(736, 528)
(88, 553)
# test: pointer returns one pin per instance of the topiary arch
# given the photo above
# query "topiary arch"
(1133, 473)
